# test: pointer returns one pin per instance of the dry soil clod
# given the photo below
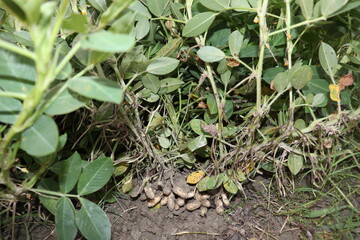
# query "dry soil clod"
(193, 205)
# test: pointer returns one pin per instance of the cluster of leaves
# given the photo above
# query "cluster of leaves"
(163, 84)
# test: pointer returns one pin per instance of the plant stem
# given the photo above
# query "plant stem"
(307, 22)
(13, 48)
(263, 41)
(20, 96)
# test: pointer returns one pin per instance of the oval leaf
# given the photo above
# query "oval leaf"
(95, 175)
(92, 221)
(104, 41)
(281, 81)
(230, 186)
(42, 138)
(307, 8)
(295, 163)
(197, 143)
(17, 72)
(162, 66)
(319, 100)
(198, 24)
(9, 109)
(101, 89)
(65, 219)
(301, 77)
(157, 7)
(328, 59)
(151, 82)
(235, 42)
(69, 172)
(210, 54)
(216, 5)
(330, 6)
(66, 102)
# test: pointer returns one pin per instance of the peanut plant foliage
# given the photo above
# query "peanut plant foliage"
(97, 96)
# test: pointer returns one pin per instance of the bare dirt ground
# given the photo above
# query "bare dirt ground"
(256, 217)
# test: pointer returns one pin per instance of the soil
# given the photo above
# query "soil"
(252, 218)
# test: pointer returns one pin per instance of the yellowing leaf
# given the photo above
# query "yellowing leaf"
(195, 177)
(334, 92)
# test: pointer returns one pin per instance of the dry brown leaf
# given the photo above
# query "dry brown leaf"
(346, 80)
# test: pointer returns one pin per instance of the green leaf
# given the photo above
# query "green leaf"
(157, 7)
(198, 24)
(175, 9)
(169, 85)
(101, 89)
(9, 109)
(69, 172)
(162, 66)
(140, 10)
(330, 6)
(65, 220)
(42, 138)
(211, 103)
(210, 54)
(271, 73)
(195, 125)
(114, 10)
(142, 28)
(281, 81)
(170, 47)
(99, 5)
(105, 41)
(320, 100)
(76, 23)
(18, 73)
(240, 5)
(235, 42)
(65, 103)
(301, 77)
(203, 184)
(151, 82)
(49, 203)
(307, 8)
(92, 221)
(318, 86)
(197, 143)
(216, 5)
(346, 8)
(164, 142)
(95, 175)
(230, 186)
(328, 59)
(295, 163)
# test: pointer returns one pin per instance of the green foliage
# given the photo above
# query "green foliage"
(226, 84)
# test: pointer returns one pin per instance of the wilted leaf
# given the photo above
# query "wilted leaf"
(334, 92)
(195, 177)
(345, 81)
